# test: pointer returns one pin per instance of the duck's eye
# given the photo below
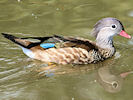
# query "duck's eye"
(113, 26)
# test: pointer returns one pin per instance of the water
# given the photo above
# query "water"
(19, 76)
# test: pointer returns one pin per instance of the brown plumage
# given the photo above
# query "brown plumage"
(70, 50)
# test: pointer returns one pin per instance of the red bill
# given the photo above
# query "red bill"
(124, 34)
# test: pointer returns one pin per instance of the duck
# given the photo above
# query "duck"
(74, 50)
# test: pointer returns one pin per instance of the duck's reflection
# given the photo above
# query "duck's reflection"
(110, 82)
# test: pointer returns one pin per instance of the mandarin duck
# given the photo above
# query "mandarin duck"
(71, 50)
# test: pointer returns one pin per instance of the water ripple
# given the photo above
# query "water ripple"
(12, 76)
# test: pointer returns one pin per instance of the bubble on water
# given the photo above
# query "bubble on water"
(33, 14)
(72, 98)
(19, 0)
(57, 9)
(95, 81)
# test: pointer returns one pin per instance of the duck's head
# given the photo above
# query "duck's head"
(109, 27)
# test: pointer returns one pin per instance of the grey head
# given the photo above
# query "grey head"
(105, 29)
(111, 26)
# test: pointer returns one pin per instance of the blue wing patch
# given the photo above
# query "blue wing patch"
(47, 45)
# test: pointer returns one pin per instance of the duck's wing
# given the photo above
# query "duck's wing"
(52, 41)
(76, 42)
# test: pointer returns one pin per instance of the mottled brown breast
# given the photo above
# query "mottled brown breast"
(107, 53)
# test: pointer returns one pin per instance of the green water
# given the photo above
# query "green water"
(18, 77)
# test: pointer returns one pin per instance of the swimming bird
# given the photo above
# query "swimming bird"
(74, 50)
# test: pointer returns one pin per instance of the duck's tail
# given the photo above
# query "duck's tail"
(19, 41)
(25, 43)
(22, 43)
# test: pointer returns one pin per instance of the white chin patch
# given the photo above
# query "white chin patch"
(28, 52)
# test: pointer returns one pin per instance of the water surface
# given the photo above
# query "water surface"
(18, 78)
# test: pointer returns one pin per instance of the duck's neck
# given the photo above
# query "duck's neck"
(106, 47)
(105, 43)
(104, 39)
